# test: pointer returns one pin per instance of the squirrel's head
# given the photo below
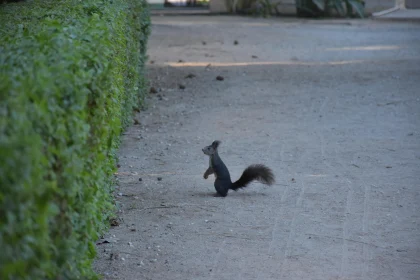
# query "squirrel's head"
(212, 149)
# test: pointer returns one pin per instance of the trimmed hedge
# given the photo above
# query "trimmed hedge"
(71, 73)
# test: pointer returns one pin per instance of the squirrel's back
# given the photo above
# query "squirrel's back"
(220, 169)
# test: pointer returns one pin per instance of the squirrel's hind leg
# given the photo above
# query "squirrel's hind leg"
(221, 189)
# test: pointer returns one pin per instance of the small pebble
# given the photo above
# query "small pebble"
(159, 178)
(181, 86)
(235, 42)
(220, 78)
(140, 179)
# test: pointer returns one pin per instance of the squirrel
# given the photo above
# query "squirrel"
(223, 183)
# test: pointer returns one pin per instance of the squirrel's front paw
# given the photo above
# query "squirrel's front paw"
(205, 176)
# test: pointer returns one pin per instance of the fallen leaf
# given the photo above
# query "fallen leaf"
(114, 222)
(190, 76)
(153, 90)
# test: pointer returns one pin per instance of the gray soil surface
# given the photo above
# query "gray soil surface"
(333, 107)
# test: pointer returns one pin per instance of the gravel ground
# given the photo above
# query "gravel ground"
(333, 107)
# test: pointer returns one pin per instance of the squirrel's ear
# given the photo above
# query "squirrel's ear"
(215, 144)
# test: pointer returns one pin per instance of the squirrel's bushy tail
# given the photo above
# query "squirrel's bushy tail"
(253, 172)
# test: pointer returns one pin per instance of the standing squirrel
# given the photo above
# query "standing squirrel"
(223, 183)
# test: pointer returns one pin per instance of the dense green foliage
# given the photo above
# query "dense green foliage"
(71, 73)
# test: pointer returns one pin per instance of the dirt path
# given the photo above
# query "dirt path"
(332, 107)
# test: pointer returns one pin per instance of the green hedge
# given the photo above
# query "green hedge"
(71, 73)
